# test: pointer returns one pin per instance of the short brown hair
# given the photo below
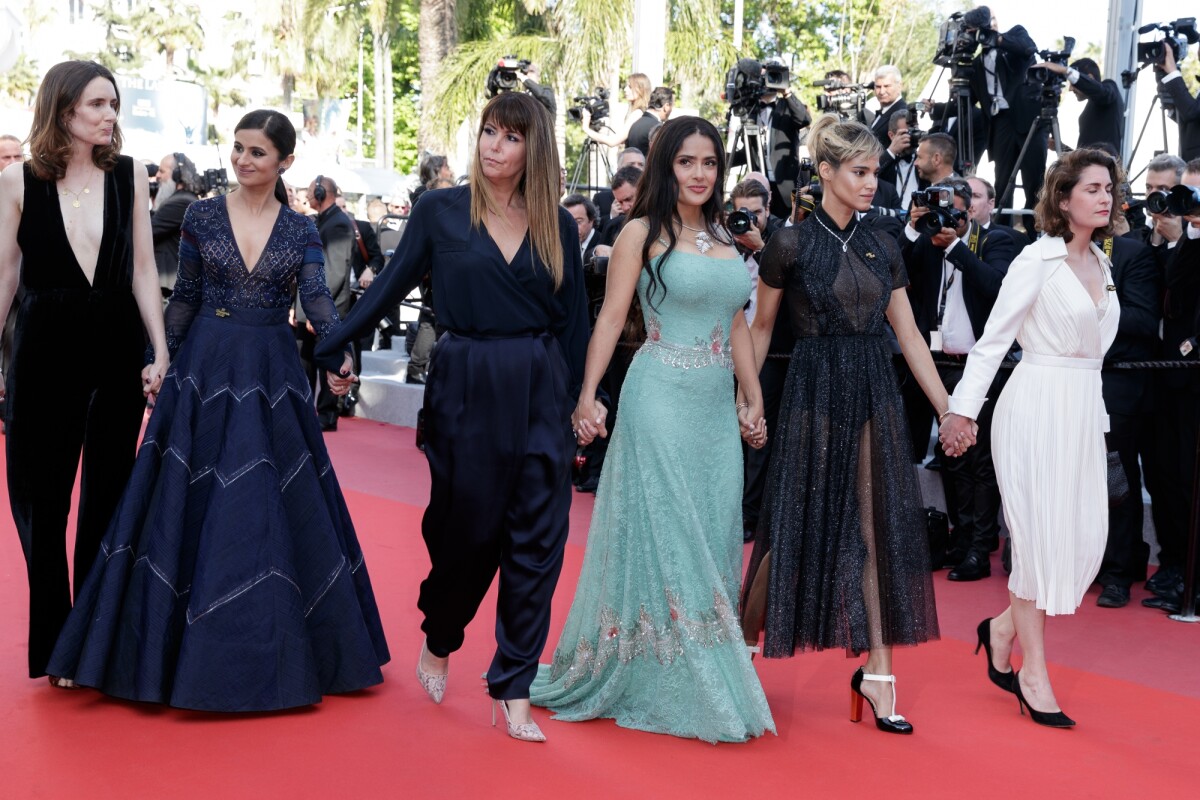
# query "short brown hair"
(1062, 178)
(49, 138)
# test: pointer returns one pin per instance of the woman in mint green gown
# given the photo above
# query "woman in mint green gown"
(653, 640)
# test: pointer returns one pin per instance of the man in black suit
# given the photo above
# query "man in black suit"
(983, 209)
(1127, 397)
(337, 240)
(781, 117)
(889, 91)
(954, 278)
(1010, 104)
(1163, 173)
(1102, 121)
(896, 167)
(1186, 110)
(1170, 473)
(166, 223)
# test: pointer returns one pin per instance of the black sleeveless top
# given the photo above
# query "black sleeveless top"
(49, 263)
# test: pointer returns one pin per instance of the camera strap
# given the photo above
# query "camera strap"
(948, 282)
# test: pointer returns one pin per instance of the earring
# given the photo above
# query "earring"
(281, 170)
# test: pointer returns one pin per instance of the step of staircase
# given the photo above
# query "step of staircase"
(384, 395)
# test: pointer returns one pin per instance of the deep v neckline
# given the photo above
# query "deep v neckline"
(510, 262)
(62, 224)
(1098, 305)
(266, 245)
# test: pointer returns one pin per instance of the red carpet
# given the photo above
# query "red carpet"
(1127, 676)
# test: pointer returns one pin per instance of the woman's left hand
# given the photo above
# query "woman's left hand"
(152, 376)
(957, 434)
(341, 381)
(753, 424)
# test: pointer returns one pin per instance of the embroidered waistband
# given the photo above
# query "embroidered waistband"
(687, 357)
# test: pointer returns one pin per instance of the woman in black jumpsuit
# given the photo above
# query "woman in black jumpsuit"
(502, 384)
(76, 219)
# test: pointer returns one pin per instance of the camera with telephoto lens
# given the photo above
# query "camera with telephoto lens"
(215, 181)
(942, 213)
(596, 105)
(744, 86)
(503, 77)
(1180, 201)
(808, 185)
(960, 37)
(1177, 35)
(915, 134)
(740, 221)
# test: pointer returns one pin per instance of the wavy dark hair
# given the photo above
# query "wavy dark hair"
(282, 133)
(658, 195)
(1062, 177)
(50, 140)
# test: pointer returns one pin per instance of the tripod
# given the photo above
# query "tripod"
(749, 134)
(960, 96)
(1048, 116)
(587, 168)
(1156, 100)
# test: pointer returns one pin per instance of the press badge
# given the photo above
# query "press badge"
(1187, 346)
(935, 341)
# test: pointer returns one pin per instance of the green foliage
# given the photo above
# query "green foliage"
(21, 81)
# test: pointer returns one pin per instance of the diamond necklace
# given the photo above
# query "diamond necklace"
(844, 243)
(704, 242)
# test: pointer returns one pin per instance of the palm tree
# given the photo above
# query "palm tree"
(437, 34)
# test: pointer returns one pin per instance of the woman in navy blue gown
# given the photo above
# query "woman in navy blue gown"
(508, 285)
(231, 578)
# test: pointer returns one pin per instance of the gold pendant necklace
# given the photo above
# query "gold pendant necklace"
(65, 192)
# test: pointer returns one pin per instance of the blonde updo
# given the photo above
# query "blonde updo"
(835, 141)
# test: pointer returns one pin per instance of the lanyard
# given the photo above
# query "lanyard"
(973, 244)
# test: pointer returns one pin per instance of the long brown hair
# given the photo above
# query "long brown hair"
(1061, 179)
(641, 91)
(50, 141)
(539, 184)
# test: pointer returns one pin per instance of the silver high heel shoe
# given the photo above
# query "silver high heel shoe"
(522, 731)
(434, 685)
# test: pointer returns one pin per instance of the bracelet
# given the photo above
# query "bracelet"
(740, 406)
(943, 415)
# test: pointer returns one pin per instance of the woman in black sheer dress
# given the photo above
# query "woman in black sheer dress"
(841, 556)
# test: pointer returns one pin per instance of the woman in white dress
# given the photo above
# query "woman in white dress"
(1058, 301)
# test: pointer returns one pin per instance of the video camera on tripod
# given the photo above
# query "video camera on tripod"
(959, 40)
(1051, 81)
(749, 80)
(504, 78)
(595, 104)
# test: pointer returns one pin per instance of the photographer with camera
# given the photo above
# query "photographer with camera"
(783, 117)
(1102, 119)
(897, 165)
(1163, 172)
(1186, 108)
(934, 161)
(639, 120)
(889, 91)
(181, 184)
(1011, 104)
(955, 269)
(530, 77)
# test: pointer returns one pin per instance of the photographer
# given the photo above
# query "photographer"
(1102, 119)
(180, 186)
(955, 272)
(1186, 109)
(586, 216)
(530, 76)
(1170, 470)
(624, 191)
(1162, 173)
(983, 208)
(1011, 105)
(896, 165)
(889, 89)
(639, 121)
(783, 117)
(934, 161)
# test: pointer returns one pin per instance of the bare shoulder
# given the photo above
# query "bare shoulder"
(633, 234)
(12, 185)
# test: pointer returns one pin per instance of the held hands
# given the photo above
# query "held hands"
(753, 423)
(152, 377)
(957, 434)
(588, 421)
(366, 278)
(340, 382)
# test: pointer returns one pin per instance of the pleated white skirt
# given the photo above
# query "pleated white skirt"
(1049, 452)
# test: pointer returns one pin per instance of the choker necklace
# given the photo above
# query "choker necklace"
(704, 242)
(65, 192)
(844, 243)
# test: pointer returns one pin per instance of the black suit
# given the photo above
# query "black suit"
(1006, 130)
(1127, 398)
(1176, 406)
(878, 122)
(165, 227)
(972, 494)
(788, 117)
(1187, 114)
(1101, 121)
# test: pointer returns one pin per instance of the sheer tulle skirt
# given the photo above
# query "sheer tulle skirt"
(841, 521)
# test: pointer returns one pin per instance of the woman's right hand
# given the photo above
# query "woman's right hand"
(957, 434)
(588, 421)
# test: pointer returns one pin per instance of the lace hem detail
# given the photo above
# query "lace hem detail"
(643, 639)
(685, 357)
